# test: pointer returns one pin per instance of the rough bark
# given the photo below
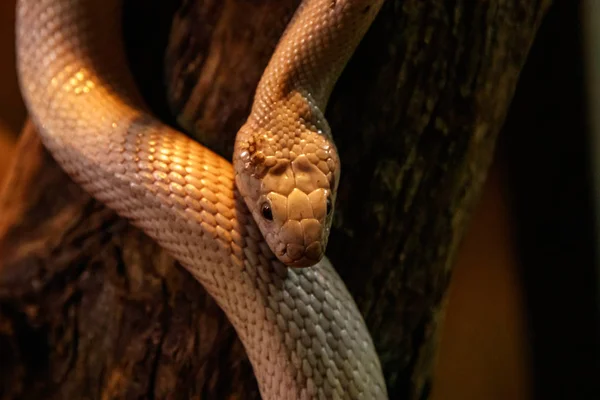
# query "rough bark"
(91, 308)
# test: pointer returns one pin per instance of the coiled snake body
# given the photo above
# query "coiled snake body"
(301, 328)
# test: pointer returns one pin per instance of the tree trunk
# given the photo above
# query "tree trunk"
(92, 308)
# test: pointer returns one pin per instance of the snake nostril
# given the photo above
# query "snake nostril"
(266, 211)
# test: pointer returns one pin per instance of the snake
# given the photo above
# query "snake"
(252, 231)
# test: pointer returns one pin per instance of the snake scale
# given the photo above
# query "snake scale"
(252, 233)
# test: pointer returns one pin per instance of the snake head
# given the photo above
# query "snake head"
(288, 182)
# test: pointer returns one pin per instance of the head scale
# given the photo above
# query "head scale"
(288, 177)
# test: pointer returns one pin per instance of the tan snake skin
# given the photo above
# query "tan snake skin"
(301, 328)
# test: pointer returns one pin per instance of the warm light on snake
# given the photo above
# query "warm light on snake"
(301, 329)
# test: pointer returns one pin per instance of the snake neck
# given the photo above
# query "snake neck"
(313, 51)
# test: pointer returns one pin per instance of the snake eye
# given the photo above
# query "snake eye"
(266, 211)
(329, 206)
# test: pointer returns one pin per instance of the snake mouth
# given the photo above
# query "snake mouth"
(298, 256)
(304, 262)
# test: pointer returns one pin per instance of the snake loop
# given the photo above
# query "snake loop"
(302, 331)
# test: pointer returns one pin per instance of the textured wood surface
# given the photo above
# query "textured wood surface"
(91, 308)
